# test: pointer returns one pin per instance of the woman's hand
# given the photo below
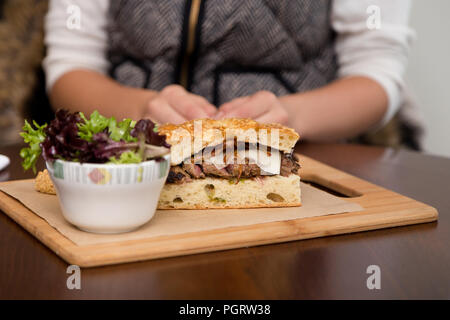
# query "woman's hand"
(263, 106)
(175, 105)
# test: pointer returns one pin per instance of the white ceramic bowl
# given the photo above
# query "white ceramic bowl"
(109, 198)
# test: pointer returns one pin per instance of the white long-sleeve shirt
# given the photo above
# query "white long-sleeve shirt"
(377, 53)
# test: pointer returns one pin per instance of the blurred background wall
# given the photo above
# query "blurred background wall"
(428, 75)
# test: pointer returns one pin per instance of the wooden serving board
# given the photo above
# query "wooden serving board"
(382, 209)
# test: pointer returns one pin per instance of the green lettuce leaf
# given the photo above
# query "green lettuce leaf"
(97, 123)
(126, 157)
(121, 131)
(33, 137)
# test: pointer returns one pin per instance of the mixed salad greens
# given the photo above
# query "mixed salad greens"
(97, 139)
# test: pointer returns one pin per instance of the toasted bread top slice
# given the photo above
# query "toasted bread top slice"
(215, 132)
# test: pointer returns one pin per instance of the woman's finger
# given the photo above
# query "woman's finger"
(185, 103)
(188, 107)
(253, 107)
(275, 115)
(228, 106)
(160, 111)
(204, 104)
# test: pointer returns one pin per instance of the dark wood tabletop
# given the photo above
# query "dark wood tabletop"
(414, 261)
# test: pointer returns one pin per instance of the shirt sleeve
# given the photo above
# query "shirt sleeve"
(377, 53)
(72, 45)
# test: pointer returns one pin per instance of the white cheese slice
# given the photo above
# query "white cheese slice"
(269, 164)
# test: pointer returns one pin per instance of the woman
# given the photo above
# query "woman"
(315, 65)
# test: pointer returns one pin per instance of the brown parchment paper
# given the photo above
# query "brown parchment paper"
(170, 222)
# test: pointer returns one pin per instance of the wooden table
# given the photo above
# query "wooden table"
(414, 261)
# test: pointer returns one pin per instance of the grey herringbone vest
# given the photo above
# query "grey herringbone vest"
(222, 49)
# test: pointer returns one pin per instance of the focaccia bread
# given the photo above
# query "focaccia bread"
(194, 182)
(43, 183)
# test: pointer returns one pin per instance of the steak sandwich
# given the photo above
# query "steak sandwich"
(230, 163)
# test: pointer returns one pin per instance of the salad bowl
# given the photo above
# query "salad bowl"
(108, 198)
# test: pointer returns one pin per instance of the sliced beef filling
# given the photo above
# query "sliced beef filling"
(211, 170)
(186, 172)
(289, 165)
(178, 175)
(194, 170)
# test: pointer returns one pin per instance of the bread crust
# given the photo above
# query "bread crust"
(250, 206)
(43, 183)
(230, 123)
(214, 132)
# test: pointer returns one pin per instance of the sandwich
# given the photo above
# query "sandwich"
(230, 163)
